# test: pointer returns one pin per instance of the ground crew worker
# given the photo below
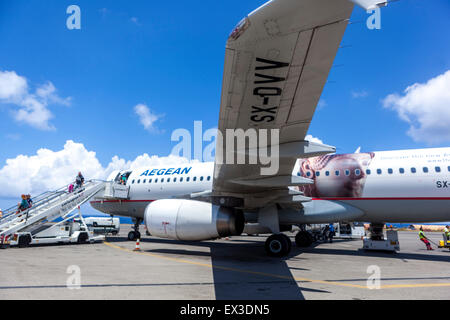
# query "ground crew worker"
(424, 239)
(331, 232)
(447, 232)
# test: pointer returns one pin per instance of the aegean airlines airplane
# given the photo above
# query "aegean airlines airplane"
(277, 62)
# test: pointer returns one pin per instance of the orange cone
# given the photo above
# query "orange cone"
(138, 245)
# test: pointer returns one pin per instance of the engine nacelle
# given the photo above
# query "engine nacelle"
(192, 220)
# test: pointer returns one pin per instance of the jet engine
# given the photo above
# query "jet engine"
(192, 220)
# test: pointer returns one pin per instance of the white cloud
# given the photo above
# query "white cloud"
(322, 104)
(12, 86)
(50, 170)
(146, 117)
(310, 138)
(426, 108)
(135, 21)
(31, 108)
(359, 94)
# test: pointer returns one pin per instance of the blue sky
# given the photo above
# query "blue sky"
(169, 56)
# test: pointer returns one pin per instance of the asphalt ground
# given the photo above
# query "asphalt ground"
(235, 269)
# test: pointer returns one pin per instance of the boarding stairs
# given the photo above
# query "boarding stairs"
(47, 207)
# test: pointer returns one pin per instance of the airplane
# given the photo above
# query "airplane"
(277, 62)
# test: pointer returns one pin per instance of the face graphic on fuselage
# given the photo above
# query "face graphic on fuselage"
(342, 176)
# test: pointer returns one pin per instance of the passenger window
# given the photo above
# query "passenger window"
(139, 181)
(379, 171)
(174, 179)
(150, 181)
(425, 170)
(162, 180)
(413, 170)
(188, 179)
(357, 172)
(327, 173)
(156, 180)
(448, 169)
(145, 181)
(132, 182)
(318, 174)
(438, 169)
(337, 173)
(347, 172)
(402, 171)
(181, 179)
(368, 172)
(168, 180)
(195, 179)
(308, 174)
(390, 171)
(209, 178)
(201, 178)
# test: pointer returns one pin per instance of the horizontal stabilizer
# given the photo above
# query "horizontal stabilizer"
(203, 194)
(370, 4)
(274, 182)
(293, 199)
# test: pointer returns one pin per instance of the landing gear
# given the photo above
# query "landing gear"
(303, 239)
(134, 235)
(278, 245)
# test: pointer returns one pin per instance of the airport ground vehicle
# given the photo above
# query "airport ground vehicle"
(34, 226)
(67, 231)
(343, 230)
(354, 230)
(445, 243)
(103, 225)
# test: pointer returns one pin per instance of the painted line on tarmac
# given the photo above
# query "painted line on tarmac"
(333, 283)
(207, 265)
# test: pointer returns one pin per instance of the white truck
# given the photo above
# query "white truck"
(103, 225)
(71, 230)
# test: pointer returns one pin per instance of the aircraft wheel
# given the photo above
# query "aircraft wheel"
(288, 241)
(278, 245)
(132, 236)
(303, 239)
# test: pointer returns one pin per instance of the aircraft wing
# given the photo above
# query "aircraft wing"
(277, 63)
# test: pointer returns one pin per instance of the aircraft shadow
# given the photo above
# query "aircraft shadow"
(241, 268)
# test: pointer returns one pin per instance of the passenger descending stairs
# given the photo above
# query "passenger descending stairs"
(46, 208)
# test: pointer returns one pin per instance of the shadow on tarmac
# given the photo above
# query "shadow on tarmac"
(250, 255)
(240, 254)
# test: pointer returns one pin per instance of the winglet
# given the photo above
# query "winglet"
(370, 4)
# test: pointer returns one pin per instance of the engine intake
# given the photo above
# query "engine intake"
(192, 220)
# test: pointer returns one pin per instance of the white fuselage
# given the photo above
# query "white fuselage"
(389, 186)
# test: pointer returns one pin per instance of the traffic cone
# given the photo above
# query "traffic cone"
(138, 245)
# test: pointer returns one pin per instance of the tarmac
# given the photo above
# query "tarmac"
(232, 269)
